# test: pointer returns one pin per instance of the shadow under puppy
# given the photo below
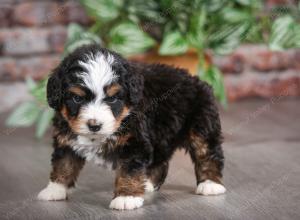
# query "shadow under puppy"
(130, 117)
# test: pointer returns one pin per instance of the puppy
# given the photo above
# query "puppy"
(130, 117)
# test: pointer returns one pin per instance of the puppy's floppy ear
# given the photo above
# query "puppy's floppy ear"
(135, 85)
(54, 90)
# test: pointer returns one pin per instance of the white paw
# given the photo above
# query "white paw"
(126, 202)
(54, 191)
(149, 186)
(209, 187)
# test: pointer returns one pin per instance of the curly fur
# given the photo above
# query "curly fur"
(166, 109)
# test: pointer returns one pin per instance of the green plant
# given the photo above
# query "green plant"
(35, 111)
(135, 26)
(204, 25)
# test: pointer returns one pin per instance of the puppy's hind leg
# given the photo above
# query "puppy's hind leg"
(208, 162)
(66, 166)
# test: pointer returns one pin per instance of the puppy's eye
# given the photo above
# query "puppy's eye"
(111, 100)
(77, 99)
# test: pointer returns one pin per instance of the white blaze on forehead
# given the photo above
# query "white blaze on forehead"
(99, 73)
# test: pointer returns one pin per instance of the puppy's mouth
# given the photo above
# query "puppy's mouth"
(94, 139)
(95, 135)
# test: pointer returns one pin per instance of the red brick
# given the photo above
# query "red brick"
(261, 58)
(230, 64)
(296, 60)
(257, 85)
(9, 69)
(39, 13)
(9, 1)
(17, 69)
(57, 39)
(24, 41)
(272, 3)
(270, 60)
(258, 58)
(38, 67)
(5, 15)
(76, 13)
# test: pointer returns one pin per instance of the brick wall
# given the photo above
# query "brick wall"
(32, 35)
(253, 70)
(33, 32)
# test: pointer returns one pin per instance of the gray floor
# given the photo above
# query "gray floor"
(262, 174)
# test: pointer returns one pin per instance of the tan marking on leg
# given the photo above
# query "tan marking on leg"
(129, 185)
(205, 167)
(66, 169)
(208, 170)
(199, 145)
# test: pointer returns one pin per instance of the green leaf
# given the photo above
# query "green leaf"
(228, 38)
(39, 92)
(128, 39)
(145, 10)
(104, 10)
(244, 2)
(220, 88)
(181, 21)
(214, 5)
(254, 34)
(196, 34)
(214, 77)
(235, 15)
(251, 3)
(77, 37)
(24, 116)
(30, 83)
(285, 34)
(173, 43)
(43, 122)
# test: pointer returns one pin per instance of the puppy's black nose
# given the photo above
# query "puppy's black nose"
(94, 126)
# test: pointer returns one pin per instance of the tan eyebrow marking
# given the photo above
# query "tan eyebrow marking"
(77, 90)
(113, 89)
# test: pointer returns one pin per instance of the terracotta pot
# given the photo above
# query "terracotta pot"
(188, 60)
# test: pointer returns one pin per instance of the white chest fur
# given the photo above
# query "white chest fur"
(90, 148)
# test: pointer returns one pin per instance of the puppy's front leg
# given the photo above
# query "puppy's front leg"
(129, 189)
(66, 166)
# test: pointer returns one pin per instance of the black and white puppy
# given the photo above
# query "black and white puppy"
(130, 117)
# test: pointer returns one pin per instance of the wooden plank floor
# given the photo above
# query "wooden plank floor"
(262, 174)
